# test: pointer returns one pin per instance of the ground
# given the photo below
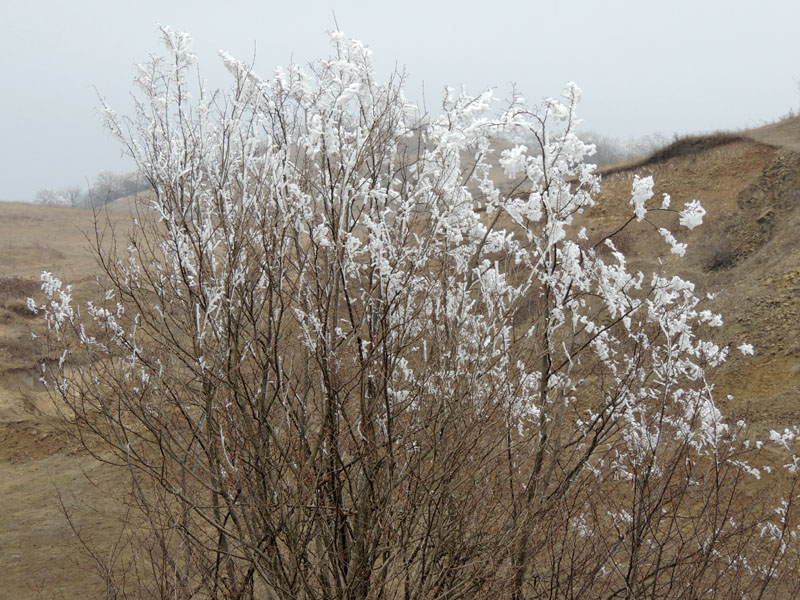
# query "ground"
(747, 254)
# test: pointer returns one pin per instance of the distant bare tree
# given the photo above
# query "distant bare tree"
(611, 150)
(109, 186)
(106, 188)
(49, 197)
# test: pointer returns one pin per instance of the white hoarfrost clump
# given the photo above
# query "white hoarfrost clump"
(692, 215)
(335, 306)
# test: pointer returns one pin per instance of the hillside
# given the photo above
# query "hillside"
(747, 254)
(39, 467)
(783, 134)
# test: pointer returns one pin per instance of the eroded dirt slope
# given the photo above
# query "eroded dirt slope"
(747, 253)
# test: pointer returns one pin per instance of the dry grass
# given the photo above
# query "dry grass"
(42, 558)
(759, 294)
(784, 133)
(688, 146)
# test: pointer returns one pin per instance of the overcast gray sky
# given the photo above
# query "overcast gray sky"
(676, 66)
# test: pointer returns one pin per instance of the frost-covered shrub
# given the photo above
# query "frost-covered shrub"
(341, 363)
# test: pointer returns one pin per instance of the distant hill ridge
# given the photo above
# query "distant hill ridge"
(781, 134)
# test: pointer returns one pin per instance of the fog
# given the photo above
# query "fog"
(677, 67)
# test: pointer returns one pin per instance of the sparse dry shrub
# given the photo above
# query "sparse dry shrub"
(19, 345)
(718, 254)
(16, 289)
(692, 145)
(610, 151)
(686, 146)
(20, 309)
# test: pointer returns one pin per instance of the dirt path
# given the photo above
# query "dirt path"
(785, 134)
